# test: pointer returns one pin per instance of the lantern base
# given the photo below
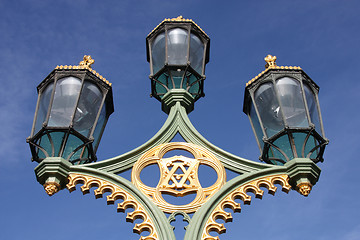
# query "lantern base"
(303, 174)
(52, 173)
(177, 95)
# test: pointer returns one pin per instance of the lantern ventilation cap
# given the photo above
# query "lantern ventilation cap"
(178, 19)
(271, 64)
(85, 64)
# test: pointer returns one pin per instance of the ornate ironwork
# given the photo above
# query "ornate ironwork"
(181, 184)
(116, 193)
(241, 193)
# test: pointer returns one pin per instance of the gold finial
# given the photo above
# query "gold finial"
(87, 62)
(179, 18)
(270, 61)
(304, 188)
(51, 188)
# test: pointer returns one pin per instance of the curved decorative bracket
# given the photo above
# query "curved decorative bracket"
(178, 122)
(204, 220)
(241, 193)
(116, 193)
(154, 221)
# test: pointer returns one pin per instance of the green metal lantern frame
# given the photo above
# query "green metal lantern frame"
(268, 144)
(163, 78)
(87, 146)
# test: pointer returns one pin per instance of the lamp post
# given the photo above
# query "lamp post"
(283, 108)
(75, 102)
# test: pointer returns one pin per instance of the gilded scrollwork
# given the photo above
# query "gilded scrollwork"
(116, 193)
(241, 193)
(178, 175)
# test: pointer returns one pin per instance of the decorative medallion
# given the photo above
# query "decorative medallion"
(178, 175)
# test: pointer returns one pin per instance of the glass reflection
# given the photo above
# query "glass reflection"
(269, 109)
(158, 52)
(177, 46)
(311, 103)
(43, 107)
(99, 127)
(87, 108)
(196, 53)
(257, 127)
(65, 97)
(292, 102)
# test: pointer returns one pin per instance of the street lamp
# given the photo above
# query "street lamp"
(75, 103)
(283, 108)
(177, 50)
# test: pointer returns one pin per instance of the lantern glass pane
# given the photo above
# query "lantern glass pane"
(312, 106)
(275, 156)
(58, 140)
(310, 145)
(257, 127)
(46, 145)
(158, 52)
(72, 143)
(48, 141)
(292, 102)
(177, 46)
(196, 53)
(160, 90)
(194, 85)
(87, 108)
(177, 76)
(99, 127)
(66, 94)
(299, 141)
(43, 107)
(269, 109)
(283, 143)
(195, 90)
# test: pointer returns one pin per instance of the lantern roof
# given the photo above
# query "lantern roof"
(85, 64)
(271, 64)
(179, 19)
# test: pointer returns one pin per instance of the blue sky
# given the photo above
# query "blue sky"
(320, 36)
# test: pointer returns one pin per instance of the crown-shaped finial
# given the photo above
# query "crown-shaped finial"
(179, 18)
(270, 61)
(87, 61)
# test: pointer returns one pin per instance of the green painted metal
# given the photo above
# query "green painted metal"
(178, 122)
(178, 104)
(162, 225)
(186, 218)
(302, 170)
(306, 166)
(54, 169)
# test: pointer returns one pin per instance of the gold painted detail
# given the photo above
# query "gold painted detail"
(241, 193)
(85, 64)
(178, 175)
(87, 61)
(270, 61)
(51, 188)
(177, 19)
(116, 193)
(271, 64)
(304, 188)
